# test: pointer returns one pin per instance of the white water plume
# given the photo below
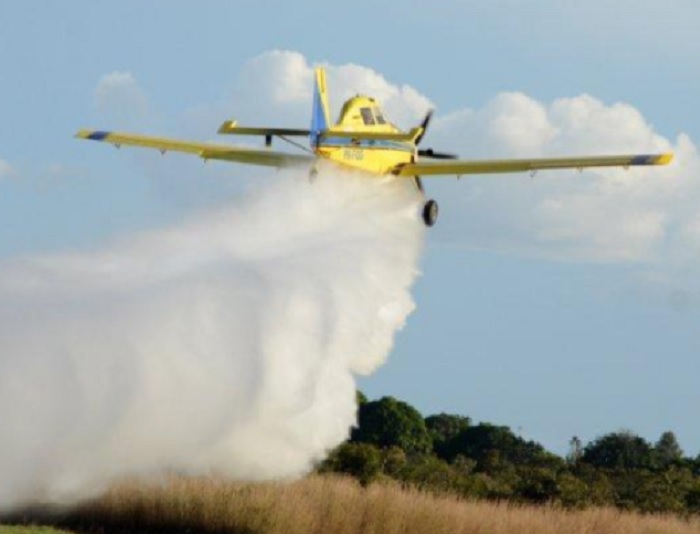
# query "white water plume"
(225, 345)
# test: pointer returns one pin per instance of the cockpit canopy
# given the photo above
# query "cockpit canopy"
(363, 111)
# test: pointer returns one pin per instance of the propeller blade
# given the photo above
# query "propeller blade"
(424, 125)
(430, 153)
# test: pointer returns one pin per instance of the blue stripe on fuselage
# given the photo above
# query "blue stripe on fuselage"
(341, 142)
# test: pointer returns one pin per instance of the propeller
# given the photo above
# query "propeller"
(429, 152)
(424, 125)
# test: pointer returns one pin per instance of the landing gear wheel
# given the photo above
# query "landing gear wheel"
(430, 213)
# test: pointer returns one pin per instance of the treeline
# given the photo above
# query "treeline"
(450, 454)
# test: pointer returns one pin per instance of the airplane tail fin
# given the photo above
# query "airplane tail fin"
(320, 116)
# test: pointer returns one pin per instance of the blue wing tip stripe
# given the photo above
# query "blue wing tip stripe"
(98, 135)
(645, 160)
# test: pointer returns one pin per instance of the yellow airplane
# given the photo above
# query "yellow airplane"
(362, 139)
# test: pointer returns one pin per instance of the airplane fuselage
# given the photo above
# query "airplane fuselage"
(363, 116)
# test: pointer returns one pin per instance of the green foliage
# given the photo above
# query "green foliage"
(447, 454)
(622, 450)
(599, 489)
(668, 450)
(537, 484)
(392, 423)
(572, 491)
(360, 398)
(692, 497)
(646, 491)
(360, 460)
(394, 459)
(443, 428)
(494, 446)
(427, 471)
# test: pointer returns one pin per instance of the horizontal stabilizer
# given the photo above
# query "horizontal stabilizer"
(232, 128)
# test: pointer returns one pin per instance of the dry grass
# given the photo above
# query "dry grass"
(4, 529)
(322, 504)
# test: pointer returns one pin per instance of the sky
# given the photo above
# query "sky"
(562, 304)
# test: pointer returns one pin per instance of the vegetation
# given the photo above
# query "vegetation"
(322, 504)
(401, 472)
(449, 454)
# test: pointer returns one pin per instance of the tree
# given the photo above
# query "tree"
(575, 450)
(537, 484)
(444, 427)
(573, 492)
(667, 449)
(428, 472)
(361, 460)
(492, 445)
(622, 450)
(392, 423)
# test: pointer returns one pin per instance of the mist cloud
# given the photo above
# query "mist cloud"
(226, 344)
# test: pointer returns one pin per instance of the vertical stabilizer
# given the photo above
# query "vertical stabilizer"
(320, 119)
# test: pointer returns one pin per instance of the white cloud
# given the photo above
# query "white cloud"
(404, 104)
(276, 87)
(511, 122)
(120, 97)
(599, 215)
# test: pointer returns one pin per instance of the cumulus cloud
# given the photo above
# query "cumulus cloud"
(276, 87)
(120, 98)
(403, 104)
(610, 215)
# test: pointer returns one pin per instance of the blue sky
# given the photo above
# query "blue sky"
(553, 335)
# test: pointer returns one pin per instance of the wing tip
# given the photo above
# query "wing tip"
(227, 126)
(664, 159)
(94, 135)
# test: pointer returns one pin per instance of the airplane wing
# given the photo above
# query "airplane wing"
(461, 167)
(205, 151)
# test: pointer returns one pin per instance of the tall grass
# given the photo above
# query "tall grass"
(326, 504)
(5, 529)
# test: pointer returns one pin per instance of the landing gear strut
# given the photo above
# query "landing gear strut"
(430, 208)
(430, 213)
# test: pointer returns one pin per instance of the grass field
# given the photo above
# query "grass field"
(321, 504)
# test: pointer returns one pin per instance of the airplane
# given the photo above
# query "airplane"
(362, 138)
